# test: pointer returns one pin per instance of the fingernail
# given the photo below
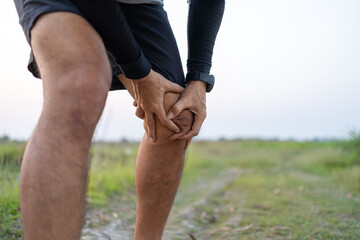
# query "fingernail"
(177, 130)
(170, 115)
(152, 139)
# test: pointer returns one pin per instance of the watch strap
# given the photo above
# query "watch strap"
(200, 76)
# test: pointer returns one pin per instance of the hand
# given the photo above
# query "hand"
(193, 98)
(149, 96)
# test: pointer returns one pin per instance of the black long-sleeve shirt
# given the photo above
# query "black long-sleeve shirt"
(108, 20)
(204, 21)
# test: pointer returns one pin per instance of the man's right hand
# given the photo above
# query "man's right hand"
(149, 95)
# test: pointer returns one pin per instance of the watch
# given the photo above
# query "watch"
(200, 76)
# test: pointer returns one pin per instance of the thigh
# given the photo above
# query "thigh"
(31, 11)
(61, 39)
(72, 60)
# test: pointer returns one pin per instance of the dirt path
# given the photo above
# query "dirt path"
(117, 222)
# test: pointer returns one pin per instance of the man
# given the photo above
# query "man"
(80, 54)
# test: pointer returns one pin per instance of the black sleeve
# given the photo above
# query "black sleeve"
(204, 21)
(109, 21)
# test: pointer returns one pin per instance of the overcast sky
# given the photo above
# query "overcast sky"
(285, 69)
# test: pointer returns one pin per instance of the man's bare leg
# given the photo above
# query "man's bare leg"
(76, 77)
(159, 168)
(158, 171)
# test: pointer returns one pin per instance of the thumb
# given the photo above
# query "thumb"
(177, 108)
(173, 87)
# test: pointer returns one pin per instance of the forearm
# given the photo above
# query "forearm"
(204, 21)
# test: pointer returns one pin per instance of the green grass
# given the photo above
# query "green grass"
(9, 204)
(286, 190)
(111, 172)
(10, 160)
(11, 153)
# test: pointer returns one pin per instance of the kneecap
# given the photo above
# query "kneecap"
(184, 120)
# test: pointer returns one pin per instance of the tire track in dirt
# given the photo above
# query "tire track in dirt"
(181, 222)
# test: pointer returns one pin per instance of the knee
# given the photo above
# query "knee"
(78, 93)
(77, 96)
(80, 110)
(184, 121)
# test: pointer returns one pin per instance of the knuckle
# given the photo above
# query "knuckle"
(203, 115)
(177, 108)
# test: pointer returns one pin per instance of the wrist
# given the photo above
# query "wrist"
(198, 85)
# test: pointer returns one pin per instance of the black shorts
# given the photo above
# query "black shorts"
(148, 23)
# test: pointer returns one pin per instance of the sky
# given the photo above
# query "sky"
(284, 69)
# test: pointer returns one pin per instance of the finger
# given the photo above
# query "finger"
(140, 112)
(198, 121)
(176, 136)
(173, 87)
(177, 108)
(160, 112)
(150, 122)
(188, 143)
(146, 128)
(189, 135)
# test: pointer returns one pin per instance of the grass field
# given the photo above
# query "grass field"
(10, 160)
(285, 191)
(230, 190)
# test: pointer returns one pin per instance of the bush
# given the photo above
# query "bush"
(11, 153)
(352, 147)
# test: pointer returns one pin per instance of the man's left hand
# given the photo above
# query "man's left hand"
(192, 98)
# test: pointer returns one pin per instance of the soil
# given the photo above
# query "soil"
(186, 218)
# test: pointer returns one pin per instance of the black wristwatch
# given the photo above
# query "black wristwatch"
(200, 76)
